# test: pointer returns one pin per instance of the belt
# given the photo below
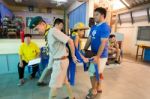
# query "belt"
(62, 58)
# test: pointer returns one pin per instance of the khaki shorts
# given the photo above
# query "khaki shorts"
(59, 73)
(101, 66)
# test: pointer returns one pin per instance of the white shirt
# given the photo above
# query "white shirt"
(57, 43)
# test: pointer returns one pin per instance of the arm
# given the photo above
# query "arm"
(65, 39)
(20, 61)
(117, 45)
(71, 46)
(37, 50)
(76, 42)
(100, 50)
(102, 46)
(88, 42)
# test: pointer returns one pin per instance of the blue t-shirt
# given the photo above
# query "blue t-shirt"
(98, 32)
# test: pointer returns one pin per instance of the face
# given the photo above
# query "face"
(113, 39)
(60, 26)
(27, 40)
(81, 33)
(98, 17)
(40, 28)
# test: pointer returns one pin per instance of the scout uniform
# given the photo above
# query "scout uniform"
(58, 54)
(34, 22)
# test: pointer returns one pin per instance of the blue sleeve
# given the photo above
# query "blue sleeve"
(106, 32)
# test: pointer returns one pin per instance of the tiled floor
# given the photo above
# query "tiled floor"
(130, 80)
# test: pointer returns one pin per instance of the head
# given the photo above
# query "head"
(100, 14)
(112, 38)
(41, 27)
(59, 23)
(27, 38)
(80, 29)
(80, 32)
(38, 24)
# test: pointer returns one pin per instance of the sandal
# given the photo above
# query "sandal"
(98, 91)
(91, 95)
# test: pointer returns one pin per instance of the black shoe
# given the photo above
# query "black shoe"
(32, 77)
(41, 84)
(107, 63)
(117, 62)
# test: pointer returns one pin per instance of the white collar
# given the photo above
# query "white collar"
(100, 23)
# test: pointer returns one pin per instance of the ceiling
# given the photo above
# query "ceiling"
(39, 3)
(134, 3)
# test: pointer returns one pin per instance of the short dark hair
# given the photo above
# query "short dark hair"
(112, 35)
(28, 35)
(58, 21)
(101, 11)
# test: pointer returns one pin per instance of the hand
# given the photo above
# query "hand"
(75, 60)
(96, 59)
(86, 60)
(21, 64)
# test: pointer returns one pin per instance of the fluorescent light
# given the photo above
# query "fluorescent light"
(60, 0)
(125, 3)
(117, 4)
(19, 1)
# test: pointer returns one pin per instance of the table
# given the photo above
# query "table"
(143, 49)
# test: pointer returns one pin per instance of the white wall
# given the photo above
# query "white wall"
(130, 36)
(11, 46)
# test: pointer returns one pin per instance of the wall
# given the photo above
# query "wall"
(74, 6)
(130, 33)
(10, 46)
(89, 11)
(49, 16)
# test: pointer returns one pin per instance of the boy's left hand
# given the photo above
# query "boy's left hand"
(95, 59)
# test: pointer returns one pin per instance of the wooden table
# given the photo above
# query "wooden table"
(143, 49)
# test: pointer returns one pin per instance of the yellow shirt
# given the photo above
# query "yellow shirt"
(29, 52)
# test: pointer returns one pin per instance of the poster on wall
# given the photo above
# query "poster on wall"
(11, 27)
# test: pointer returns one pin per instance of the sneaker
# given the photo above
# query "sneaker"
(31, 77)
(69, 98)
(41, 84)
(21, 82)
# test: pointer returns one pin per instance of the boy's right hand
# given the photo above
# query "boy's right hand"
(21, 64)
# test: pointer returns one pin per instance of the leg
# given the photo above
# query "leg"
(118, 54)
(92, 79)
(44, 73)
(21, 70)
(34, 70)
(53, 93)
(137, 52)
(21, 73)
(101, 65)
(68, 88)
